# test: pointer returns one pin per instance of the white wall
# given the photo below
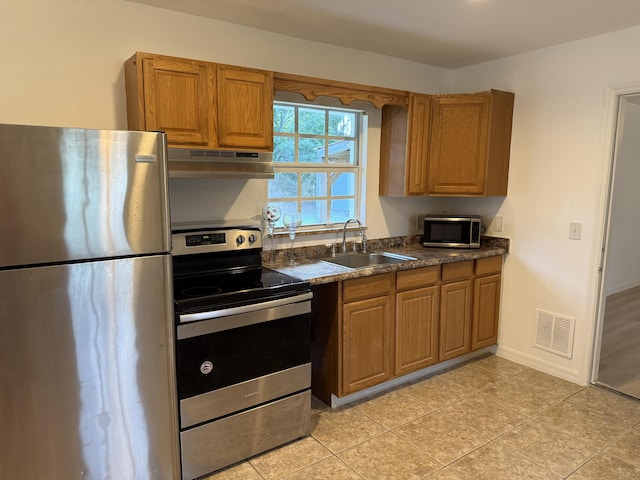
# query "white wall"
(62, 65)
(623, 253)
(558, 174)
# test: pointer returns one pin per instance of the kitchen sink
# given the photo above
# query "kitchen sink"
(361, 260)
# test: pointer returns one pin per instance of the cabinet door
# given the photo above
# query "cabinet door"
(367, 343)
(486, 308)
(245, 108)
(416, 329)
(177, 99)
(458, 150)
(419, 128)
(455, 319)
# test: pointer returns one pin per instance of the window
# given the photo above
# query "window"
(317, 162)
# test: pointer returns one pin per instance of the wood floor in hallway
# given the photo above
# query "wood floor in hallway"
(620, 353)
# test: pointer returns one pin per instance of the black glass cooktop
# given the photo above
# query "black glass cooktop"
(220, 290)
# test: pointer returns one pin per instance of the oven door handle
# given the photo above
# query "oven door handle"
(244, 315)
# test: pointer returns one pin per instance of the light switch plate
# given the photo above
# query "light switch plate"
(575, 231)
(498, 223)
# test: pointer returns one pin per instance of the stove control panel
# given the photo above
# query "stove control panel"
(206, 241)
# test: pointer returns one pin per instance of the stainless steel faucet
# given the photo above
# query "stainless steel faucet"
(362, 235)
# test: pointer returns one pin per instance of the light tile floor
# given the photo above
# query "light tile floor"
(488, 419)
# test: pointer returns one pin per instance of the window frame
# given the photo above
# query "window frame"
(359, 139)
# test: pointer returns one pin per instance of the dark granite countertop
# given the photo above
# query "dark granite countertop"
(309, 265)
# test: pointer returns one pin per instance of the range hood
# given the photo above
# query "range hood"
(219, 164)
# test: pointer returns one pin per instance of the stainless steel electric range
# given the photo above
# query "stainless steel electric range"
(242, 348)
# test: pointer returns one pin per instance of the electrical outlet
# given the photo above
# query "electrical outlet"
(498, 223)
(575, 231)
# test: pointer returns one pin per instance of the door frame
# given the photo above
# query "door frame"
(613, 95)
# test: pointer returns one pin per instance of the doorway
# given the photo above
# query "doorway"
(618, 366)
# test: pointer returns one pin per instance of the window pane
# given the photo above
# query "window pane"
(316, 159)
(311, 150)
(342, 124)
(314, 212)
(284, 185)
(284, 119)
(342, 152)
(284, 149)
(343, 184)
(314, 185)
(288, 207)
(341, 210)
(311, 121)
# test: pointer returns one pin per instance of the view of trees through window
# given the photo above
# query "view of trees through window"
(316, 162)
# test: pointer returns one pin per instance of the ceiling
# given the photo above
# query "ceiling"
(445, 33)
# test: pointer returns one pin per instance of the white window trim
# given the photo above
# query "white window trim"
(358, 169)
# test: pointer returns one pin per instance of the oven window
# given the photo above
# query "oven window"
(241, 354)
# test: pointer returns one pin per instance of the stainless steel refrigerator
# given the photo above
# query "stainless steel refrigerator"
(87, 373)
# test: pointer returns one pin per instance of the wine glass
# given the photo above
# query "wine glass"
(271, 214)
(291, 221)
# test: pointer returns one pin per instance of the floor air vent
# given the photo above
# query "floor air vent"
(554, 333)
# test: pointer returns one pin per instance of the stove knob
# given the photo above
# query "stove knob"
(252, 238)
(240, 239)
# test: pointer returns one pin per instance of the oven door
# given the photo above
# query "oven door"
(244, 358)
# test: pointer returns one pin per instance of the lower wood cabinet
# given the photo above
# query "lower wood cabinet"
(416, 319)
(367, 343)
(486, 302)
(368, 330)
(455, 310)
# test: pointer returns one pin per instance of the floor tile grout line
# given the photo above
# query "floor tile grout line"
(547, 469)
(350, 446)
(599, 450)
(625, 460)
(492, 438)
(587, 460)
(333, 455)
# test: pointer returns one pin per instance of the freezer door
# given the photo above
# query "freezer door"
(72, 194)
(87, 384)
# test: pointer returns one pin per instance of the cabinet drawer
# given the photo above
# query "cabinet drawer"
(486, 266)
(418, 277)
(367, 287)
(457, 270)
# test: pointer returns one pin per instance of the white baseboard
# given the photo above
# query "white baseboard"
(539, 364)
(614, 290)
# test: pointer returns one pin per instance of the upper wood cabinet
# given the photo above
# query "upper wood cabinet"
(245, 108)
(470, 144)
(404, 147)
(170, 94)
(455, 145)
(200, 104)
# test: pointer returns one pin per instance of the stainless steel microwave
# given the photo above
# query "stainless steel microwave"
(452, 231)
